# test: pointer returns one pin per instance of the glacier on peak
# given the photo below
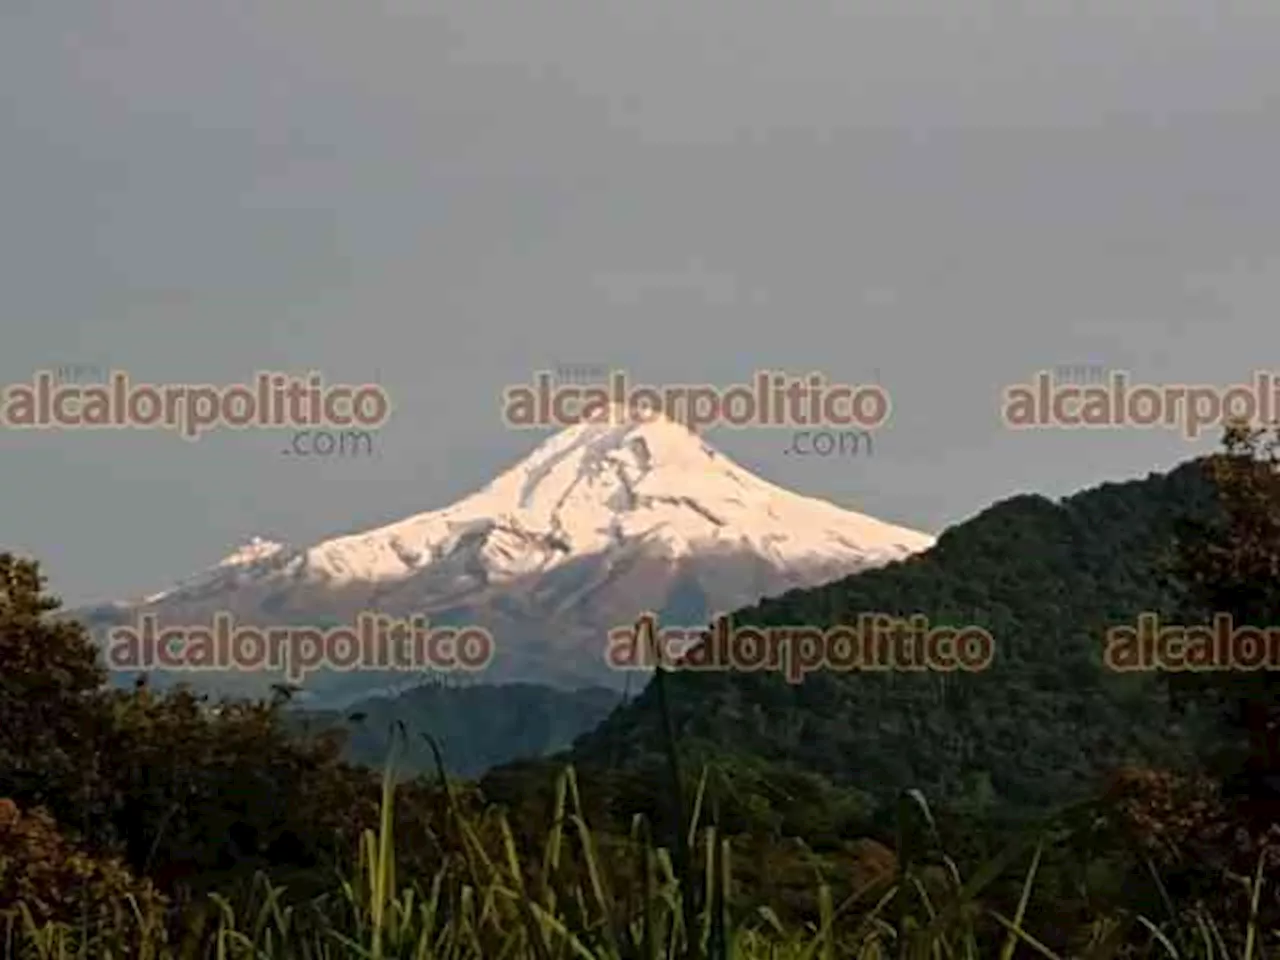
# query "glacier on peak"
(251, 551)
(595, 485)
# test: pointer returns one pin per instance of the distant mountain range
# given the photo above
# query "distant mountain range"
(600, 523)
(476, 727)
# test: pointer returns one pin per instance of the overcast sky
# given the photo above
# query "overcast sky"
(446, 196)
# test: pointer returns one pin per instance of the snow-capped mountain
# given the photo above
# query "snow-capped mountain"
(602, 522)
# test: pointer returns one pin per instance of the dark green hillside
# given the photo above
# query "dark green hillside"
(1045, 579)
(476, 725)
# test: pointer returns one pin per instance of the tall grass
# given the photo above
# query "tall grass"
(485, 901)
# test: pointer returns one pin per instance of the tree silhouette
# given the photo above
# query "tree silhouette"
(49, 676)
(1231, 565)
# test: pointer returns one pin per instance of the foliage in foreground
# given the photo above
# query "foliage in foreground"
(56, 879)
(588, 897)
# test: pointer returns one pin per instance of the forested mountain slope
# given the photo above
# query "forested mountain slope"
(1045, 578)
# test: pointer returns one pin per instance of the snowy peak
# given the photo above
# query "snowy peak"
(599, 523)
(251, 559)
(600, 485)
(588, 479)
(654, 440)
(250, 552)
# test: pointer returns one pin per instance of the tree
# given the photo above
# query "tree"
(58, 881)
(182, 793)
(49, 709)
(1231, 565)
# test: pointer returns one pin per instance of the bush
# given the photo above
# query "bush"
(58, 881)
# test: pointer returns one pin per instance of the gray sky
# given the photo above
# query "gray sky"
(445, 197)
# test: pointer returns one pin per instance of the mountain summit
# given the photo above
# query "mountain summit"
(600, 523)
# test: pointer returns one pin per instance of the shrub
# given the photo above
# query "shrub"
(58, 881)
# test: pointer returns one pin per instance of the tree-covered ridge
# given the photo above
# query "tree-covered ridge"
(1045, 579)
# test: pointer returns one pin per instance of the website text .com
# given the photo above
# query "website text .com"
(375, 642)
(830, 443)
(330, 443)
(878, 642)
